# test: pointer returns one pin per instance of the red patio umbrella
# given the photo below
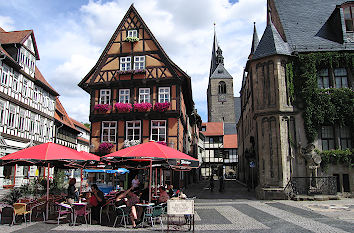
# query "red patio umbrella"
(47, 154)
(154, 151)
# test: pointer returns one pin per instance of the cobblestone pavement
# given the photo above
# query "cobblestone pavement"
(238, 215)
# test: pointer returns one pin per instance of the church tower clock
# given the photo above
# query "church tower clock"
(220, 93)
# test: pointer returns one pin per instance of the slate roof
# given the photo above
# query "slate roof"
(237, 108)
(271, 44)
(230, 128)
(213, 55)
(220, 72)
(255, 39)
(305, 25)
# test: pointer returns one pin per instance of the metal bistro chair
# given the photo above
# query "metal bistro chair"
(105, 209)
(39, 207)
(154, 213)
(81, 211)
(20, 209)
(64, 209)
(121, 213)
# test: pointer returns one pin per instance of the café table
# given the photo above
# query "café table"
(146, 207)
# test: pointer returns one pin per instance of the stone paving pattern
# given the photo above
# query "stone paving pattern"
(238, 215)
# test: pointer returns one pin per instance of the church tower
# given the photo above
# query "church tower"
(220, 94)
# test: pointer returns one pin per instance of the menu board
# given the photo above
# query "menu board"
(180, 207)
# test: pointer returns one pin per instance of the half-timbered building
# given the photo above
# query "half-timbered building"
(27, 101)
(139, 94)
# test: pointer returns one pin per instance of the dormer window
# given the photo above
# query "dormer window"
(349, 18)
(132, 33)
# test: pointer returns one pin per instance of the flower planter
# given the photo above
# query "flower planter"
(123, 107)
(162, 107)
(142, 107)
(105, 147)
(102, 107)
(131, 39)
(122, 72)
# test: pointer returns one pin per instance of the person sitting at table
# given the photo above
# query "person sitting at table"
(99, 196)
(163, 195)
(129, 199)
(170, 190)
(86, 188)
(72, 194)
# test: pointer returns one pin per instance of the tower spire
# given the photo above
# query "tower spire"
(255, 41)
(216, 54)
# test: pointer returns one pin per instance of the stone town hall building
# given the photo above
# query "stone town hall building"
(297, 100)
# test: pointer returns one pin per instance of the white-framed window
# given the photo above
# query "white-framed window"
(21, 121)
(132, 33)
(340, 77)
(12, 116)
(32, 123)
(139, 62)
(5, 75)
(42, 127)
(144, 95)
(158, 131)
(24, 87)
(133, 130)
(164, 94)
(124, 95)
(38, 125)
(15, 82)
(125, 63)
(109, 129)
(2, 110)
(35, 94)
(105, 96)
(48, 131)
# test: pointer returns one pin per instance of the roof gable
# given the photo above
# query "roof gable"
(107, 66)
(61, 115)
(220, 73)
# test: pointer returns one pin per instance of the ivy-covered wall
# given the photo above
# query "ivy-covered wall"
(320, 106)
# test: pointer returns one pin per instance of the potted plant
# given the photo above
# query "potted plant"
(131, 39)
(123, 107)
(102, 107)
(142, 107)
(162, 143)
(105, 147)
(162, 107)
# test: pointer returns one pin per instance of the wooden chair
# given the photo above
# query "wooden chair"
(20, 209)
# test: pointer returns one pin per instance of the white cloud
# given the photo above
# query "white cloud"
(184, 28)
(6, 23)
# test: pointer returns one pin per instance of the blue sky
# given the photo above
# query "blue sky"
(71, 35)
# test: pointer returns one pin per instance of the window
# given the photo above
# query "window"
(323, 79)
(222, 87)
(32, 123)
(12, 116)
(340, 75)
(5, 75)
(158, 131)
(139, 63)
(203, 128)
(133, 129)
(125, 63)
(35, 94)
(2, 110)
(15, 82)
(345, 139)
(109, 131)
(41, 127)
(105, 96)
(132, 33)
(349, 18)
(24, 87)
(164, 94)
(144, 95)
(21, 122)
(124, 95)
(327, 137)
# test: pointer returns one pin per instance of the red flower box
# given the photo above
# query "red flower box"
(123, 107)
(162, 107)
(102, 107)
(142, 107)
(105, 147)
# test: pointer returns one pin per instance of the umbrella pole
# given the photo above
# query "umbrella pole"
(47, 212)
(156, 182)
(80, 181)
(150, 181)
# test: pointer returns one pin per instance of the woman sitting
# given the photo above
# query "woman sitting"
(129, 199)
(163, 198)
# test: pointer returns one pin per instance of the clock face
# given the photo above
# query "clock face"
(222, 98)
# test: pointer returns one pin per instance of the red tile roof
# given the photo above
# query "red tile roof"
(38, 75)
(83, 139)
(79, 124)
(230, 141)
(60, 111)
(213, 128)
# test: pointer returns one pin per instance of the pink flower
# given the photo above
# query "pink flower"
(142, 107)
(162, 143)
(102, 107)
(162, 107)
(123, 107)
(105, 147)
